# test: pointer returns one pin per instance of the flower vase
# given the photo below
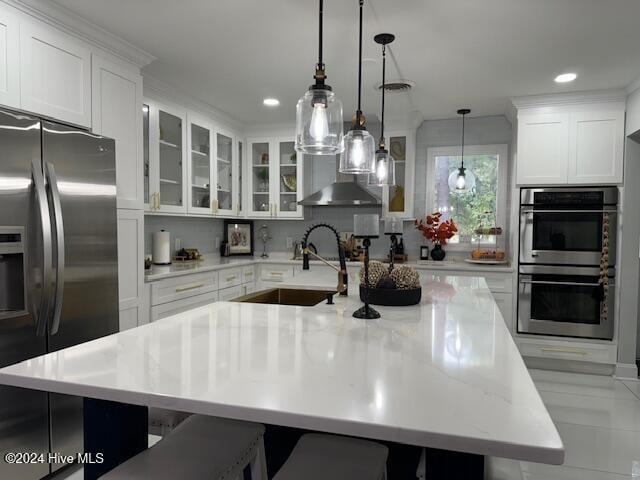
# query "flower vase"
(437, 253)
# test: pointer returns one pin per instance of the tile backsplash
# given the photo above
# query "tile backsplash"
(193, 232)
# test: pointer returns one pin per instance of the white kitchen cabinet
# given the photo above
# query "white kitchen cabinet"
(596, 147)
(565, 144)
(55, 74)
(397, 200)
(274, 179)
(200, 166)
(164, 310)
(167, 142)
(543, 149)
(231, 293)
(9, 59)
(117, 113)
(505, 305)
(226, 174)
(130, 266)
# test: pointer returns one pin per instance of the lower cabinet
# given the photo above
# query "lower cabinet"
(178, 294)
(172, 308)
(228, 294)
(131, 267)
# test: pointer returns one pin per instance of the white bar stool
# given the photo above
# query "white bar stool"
(323, 457)
(201, 447)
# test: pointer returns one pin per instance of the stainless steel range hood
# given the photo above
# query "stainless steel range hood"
(343, 192)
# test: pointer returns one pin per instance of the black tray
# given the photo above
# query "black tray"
(392, 297)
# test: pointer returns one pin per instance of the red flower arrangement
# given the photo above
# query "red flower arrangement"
(436, 230)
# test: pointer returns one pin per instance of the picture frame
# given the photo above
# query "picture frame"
(239, 236)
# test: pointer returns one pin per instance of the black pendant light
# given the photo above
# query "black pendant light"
(384, 168)
(319, 113)
(359, 145)
(462, 180)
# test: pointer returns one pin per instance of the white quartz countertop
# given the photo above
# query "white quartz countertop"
(445, 373)
(215, 262)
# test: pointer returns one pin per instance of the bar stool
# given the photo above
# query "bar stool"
(321, 457)
(201, 447)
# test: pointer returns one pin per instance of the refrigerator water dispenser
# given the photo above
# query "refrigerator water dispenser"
(12, 272)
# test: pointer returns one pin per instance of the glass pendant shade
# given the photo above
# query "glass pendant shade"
(359, 152)
(462, 180)
(384, 170)
(319, 123)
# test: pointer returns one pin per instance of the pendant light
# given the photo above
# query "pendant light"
(384, 166)
(462, 180)
(319, 113)
(359, 145)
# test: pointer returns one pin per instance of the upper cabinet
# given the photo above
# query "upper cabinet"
(167, 168)
(397, 200)
(9, 59)
(117, 113)
(543, 148)
(571, 145)
(55, 74)
(274, 179)
(226, 174)
(200, 173)
(596, 147)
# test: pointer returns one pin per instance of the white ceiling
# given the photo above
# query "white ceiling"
(475, 53)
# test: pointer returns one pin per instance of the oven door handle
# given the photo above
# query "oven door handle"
(548, 282)
(536, 210)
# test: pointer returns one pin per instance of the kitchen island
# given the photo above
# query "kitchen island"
(443, 374)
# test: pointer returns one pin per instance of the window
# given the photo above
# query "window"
(486, 206)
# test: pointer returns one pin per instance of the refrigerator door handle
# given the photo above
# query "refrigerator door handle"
(41, 312)
(60, 259)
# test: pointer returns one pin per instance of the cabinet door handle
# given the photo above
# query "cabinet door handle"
(231, 278)
(276, 274)
(248, 274)
(189, 287)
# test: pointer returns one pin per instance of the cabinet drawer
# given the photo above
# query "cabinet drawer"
(230, 277)
(185, 286)
(249, 274)
(228, 294)
(567, 350)
(276, 273)
(179, 306)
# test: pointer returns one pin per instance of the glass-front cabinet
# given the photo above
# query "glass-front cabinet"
(288, 180)
(201, 177)
(259, 179)
(274, 179)
(165, 169)
(226, 175)
(397, 200)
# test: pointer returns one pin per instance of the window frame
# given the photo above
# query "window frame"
(499, 150)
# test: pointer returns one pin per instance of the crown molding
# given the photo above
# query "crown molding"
(154, 87)
(77, 26)
(573, 98)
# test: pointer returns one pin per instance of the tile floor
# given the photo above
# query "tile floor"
(598, 419)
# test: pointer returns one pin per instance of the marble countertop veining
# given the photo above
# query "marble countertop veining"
(215, 262)
(444, 374)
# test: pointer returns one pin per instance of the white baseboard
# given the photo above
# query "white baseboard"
(626, 370)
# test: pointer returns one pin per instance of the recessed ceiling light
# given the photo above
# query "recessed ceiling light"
(566, 78)
(271, 102)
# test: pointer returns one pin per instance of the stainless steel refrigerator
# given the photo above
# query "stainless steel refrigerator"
(58, 271)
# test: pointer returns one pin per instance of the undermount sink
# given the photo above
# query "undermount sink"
(288, 296)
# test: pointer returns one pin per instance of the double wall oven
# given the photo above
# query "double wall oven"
(567, 261)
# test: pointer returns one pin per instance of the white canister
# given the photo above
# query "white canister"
(161, 248)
